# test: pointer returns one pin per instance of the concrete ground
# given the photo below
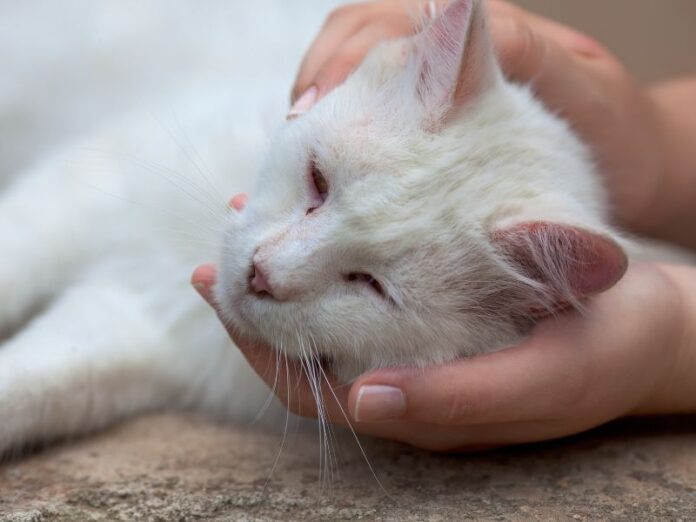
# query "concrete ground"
(185, 468)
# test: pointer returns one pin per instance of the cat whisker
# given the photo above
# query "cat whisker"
(216, 190)
(325, 463)
(214, 205)
(272, 391)
(355, 435)
(218, 216)
(210, 178)
(285, 428)
(331, 439)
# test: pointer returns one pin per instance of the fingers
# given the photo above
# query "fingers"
(348, 35)
(566, 37)
(508, 386)
(341, 24)
(531, 49)
(566, 83)
(203, 280)
(353, 51)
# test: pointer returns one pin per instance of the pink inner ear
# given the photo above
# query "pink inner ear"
(457, 58)
(567, 259)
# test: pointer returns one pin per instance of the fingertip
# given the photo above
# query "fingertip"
(304, 103)
(238, 202)
(380, 395)
(300, 87)
(203, 280)
(379, 403)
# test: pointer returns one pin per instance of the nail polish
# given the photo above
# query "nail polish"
(304, 103)
(379, 403)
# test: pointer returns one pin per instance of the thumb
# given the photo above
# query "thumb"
(203, 281)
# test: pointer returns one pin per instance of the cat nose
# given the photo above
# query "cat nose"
(258, 282)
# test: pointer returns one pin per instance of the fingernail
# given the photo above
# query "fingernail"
(379, 403)
(304, 103)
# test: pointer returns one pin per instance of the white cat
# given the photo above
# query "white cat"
(425, 210)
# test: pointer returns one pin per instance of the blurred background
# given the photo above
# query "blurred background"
(68, 66)
(653, 38)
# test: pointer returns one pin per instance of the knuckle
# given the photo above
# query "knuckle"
(523, 45)
(344, 59)
(523, 51)
(462, 407)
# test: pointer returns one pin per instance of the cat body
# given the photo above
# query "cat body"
(457, 211)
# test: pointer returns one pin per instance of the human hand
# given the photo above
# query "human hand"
(631, 353)
(573, 75)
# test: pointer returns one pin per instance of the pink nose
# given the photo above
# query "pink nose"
(259, 282)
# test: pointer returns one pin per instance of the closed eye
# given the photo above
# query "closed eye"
(367, 279)
(318, 186)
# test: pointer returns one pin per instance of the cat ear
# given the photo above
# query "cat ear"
(456, 60)
(565, 263)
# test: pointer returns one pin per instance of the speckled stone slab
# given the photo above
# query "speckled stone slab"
(184, 468)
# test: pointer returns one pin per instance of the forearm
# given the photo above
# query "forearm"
(675, 206)
(676, 391)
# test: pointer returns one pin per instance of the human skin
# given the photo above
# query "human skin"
(632, 352)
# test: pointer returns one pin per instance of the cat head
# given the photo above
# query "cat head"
(423, 210)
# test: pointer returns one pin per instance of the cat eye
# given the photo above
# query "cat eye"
(357, 277)
(320, 186)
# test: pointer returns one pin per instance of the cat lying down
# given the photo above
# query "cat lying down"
(425, 210)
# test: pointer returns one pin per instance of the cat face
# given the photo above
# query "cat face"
(423, 210)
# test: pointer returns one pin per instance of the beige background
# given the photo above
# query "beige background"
(654, 38)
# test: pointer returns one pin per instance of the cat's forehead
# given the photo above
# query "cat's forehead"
(396, 224)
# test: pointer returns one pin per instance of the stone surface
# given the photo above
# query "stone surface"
(186, 468)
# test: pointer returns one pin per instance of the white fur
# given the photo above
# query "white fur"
(98, 240)
(410, 205)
